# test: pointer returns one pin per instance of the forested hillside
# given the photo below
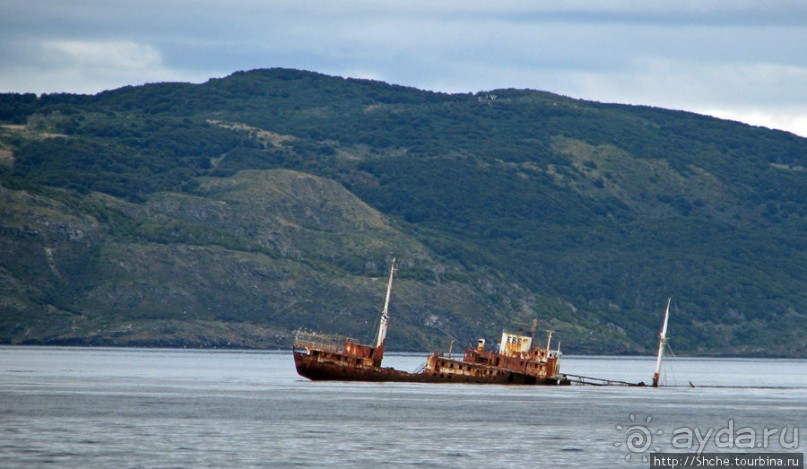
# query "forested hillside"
(232, 212)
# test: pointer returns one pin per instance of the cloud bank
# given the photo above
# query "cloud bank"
(743, 60)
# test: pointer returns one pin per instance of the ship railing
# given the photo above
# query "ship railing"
(317, 341)
(591, 381)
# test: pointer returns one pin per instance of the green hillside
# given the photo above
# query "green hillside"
(232, 212)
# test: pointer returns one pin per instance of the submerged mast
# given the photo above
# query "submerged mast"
(382, 328)
(662, 342)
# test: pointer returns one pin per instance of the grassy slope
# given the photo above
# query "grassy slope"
(592, 214)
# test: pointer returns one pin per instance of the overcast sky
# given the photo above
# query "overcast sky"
(738, 59)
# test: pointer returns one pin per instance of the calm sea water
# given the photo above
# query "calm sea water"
(93, 407)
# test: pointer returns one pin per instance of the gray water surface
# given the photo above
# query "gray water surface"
(96, 407)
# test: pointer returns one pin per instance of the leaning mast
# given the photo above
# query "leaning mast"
(382, 328)
(662, 342)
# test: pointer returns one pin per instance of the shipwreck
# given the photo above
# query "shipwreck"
(518, 359)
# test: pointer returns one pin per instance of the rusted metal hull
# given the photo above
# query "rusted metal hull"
(339, 367)
(517, 361)
(323, 369)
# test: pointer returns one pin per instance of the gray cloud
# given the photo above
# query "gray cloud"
(731, 58)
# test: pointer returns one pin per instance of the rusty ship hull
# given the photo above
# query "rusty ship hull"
(332, 369)
(326, 370)
(321, 358)
(518, 360)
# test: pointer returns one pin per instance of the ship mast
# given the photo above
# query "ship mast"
(662, 342)
(382, 328)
